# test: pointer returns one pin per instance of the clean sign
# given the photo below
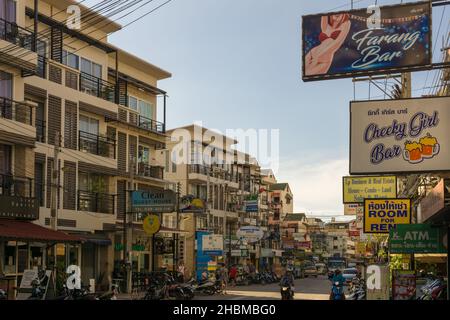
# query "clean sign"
(382, 215)
(390, 136)
(416, 238)
(356, 189)
(153, 201)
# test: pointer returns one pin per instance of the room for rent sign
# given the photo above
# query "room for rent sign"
(382, 215)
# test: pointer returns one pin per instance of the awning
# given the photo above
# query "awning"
(98, 239)
(27, 231)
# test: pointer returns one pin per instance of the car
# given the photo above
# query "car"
(321, 268)
(349, 274)
(310, 270)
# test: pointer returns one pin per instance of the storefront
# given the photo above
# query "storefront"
(25, 245)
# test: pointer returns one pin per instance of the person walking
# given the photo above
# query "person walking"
(223, 274)
(181, 272)
(233, 274)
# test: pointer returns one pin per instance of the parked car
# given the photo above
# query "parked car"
(321, 268)
(349, 274)
(310, 270)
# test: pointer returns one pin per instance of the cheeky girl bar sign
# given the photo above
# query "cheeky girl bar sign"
(400, 136)
(367, 41)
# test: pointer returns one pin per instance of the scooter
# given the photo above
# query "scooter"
(287, 293)
(357, 290)
(204, 287)
(337, 291)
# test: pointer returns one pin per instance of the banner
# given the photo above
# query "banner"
(356, 189)
(250, 234)
(382, 215)
(416, 238)
(365, 42)
(213, 244)
(409, 135)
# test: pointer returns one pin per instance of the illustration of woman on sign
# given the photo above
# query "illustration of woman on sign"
(335, 29)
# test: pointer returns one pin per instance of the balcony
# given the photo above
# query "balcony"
(151, 125)
(204, 170)
(149, 171)
(16, 111)
(16, 198)
(13, 41)
(97, 87)
(97, 145)
(96, 202)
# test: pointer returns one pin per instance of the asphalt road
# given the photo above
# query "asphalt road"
(305, 289)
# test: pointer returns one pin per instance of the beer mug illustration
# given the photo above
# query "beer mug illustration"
(430, 146)
(412, 152)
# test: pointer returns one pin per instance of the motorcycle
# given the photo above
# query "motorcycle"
(3, 295)
(287, 293)
(203, 287)
(156, 291)
(112, 295)
(337, 292)
(357, 290)
(434, 289)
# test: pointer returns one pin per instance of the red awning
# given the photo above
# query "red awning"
(27, 231)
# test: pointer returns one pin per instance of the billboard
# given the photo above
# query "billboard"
(356, 189)
(382, 215)
(366, 42)
(416, 238)
(400, 136)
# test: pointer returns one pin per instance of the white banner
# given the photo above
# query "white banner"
(411, 135)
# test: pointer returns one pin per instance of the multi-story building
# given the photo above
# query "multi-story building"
(318, 237)
(337, 237)
(281, 200)
(79, 129)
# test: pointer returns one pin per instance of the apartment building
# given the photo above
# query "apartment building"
(78, 130)
(337, 238)
(208, 168)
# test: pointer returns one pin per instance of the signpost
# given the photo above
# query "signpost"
(416, 238)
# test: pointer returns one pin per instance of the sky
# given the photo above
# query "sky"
(237, 64)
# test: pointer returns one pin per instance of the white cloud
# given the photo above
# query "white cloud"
(316, 182)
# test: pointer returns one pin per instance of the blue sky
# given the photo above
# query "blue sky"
(236, 64)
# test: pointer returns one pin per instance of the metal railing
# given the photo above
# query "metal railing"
(98, 145)
(11, 32)
(16, 186)
(97, 87)
(42, 67)
(13, 110)
(146, 170)
(40, 130)
(96, 202)
(204, 170)
(151, 125)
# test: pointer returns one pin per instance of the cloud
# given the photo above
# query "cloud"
(316, 183)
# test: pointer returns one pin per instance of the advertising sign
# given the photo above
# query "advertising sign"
(213, 244)
(352, 209)
(382, 215)
(16, 207)
(153, 201)
(403, 284)
(250, 233)
(191, 204)
(416, 238)
(364, 42)
(356, 189)
(251, 206)
(433, 202)
(409, 135)
(377, 282)
(151, 224)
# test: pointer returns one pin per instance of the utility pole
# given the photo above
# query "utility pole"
(175, 235)
(207, 197)
(126, 244)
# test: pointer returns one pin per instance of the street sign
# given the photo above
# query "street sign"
(382, 215)
(416, 238)
(153, 201)
(251, 206)
(151, 224)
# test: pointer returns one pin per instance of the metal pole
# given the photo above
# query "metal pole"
(207, 196)
(55, 182)
(36, 24)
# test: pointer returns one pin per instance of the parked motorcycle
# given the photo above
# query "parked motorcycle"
(434, 289)
(204, 287)
(357, 290)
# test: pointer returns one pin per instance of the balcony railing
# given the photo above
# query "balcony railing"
(13, 110)
(151, 125)
(146, 170)
(204, 170)
(98, 145)
(16, 186)
(11, 32)
(96, 202)
(42, 67)
(97, 87)
(40, 130)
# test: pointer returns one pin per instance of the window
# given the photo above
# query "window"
(92, 182)
(91, 68)
(89, 125)
(8, 10)
(5, 159)
(133, 103)
(71, 60)
(145, 109)
(144, 155)
(5, 85)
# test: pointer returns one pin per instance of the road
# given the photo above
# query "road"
(305, 289)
